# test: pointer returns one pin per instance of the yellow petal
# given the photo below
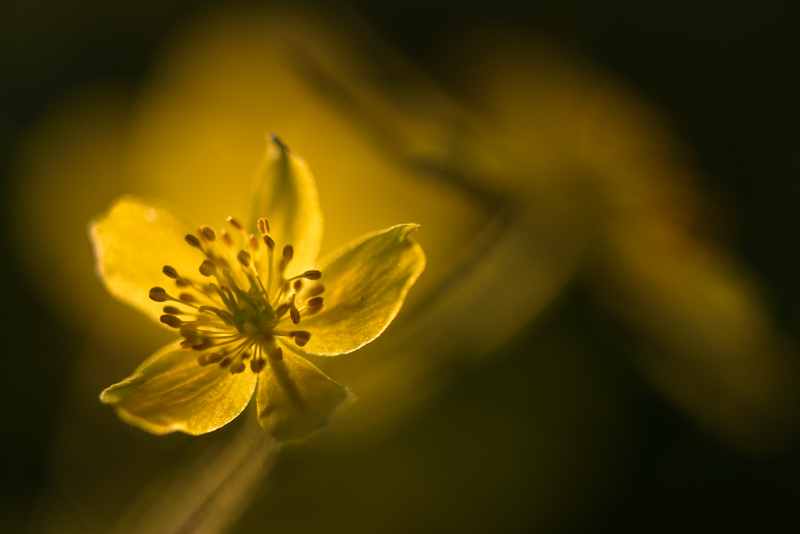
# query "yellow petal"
(365, 288)
(295, 398)
(132, 243)
(286, 194)
(171, 392)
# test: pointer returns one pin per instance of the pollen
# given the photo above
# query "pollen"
(241, 301)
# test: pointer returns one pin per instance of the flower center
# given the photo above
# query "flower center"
(242, 302)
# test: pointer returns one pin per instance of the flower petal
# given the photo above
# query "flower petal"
(295, 398)
(133, 241)
(286, 194)
(365, 288)
(171, 392)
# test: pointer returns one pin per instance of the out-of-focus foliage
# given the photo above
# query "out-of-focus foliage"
(538, 176)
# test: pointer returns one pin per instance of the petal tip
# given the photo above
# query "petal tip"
(274, 140)
(107, 397)
(409, 229)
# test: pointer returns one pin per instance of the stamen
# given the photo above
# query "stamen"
(316, 301)
(189, 331)
(284, 289)
(187, 297)
(310, 275)
(301, 337)
(226, 362)
(237, 368)
(253, 243)
(172, 310)
(208, 232)
(205, 343)
(170, 272)
(318, 290)
(208, 268)
(222, 314)
(244, 258)
(193, 241)
(294, 313)
(312, 310)
(288, 253)
(297, 285)
(214, 357)
(280, 310)
(171, 320)
(226, 238)
(159, 294)
(263, 226)
(236, 223)
(276, 354)
(271, 248)
(203, 360)
(257, 364)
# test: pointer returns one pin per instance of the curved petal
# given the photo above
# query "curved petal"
(365, 288)
(295, 398)
(133, 241)
(171, 392)
(286, 194)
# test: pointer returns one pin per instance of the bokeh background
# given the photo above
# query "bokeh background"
(604, 340)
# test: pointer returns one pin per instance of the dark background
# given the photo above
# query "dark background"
(726, 74)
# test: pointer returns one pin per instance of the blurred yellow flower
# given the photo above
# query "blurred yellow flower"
(261, 301)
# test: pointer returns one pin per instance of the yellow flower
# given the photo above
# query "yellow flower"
(240, 298)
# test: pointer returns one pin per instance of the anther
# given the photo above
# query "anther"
(226, 237)
(316, 301)
(297, 285)
(172, 310)
(269, 242)
(281, 309)
(193, 241)
(203, 360)
(257, 364)
(189, 331)
(236, 223)
(312, 275)
(171, 320)
(159, 294)
(208, 267)
(294, 313)
(237, 368)
(214, 357)
(170, 272)
(263, 226)
(253, 243)
(276, 354)
(301, 337)
(205, 343)
(187, 297)
(244, 258)
(208, 232)
(318, 290)
(226, 362)
(288, 253)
